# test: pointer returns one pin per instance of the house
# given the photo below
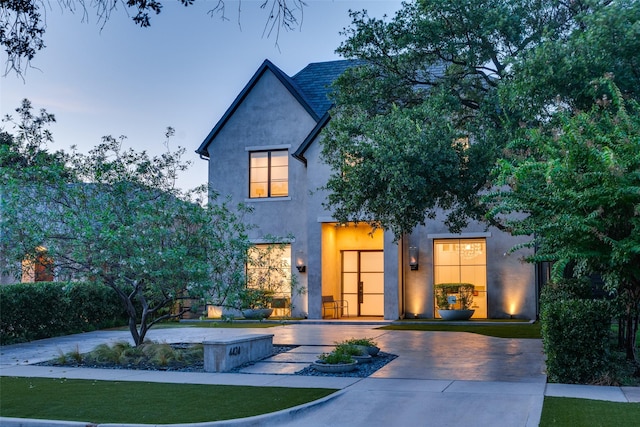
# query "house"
(265, 152)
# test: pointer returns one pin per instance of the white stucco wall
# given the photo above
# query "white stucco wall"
(269, 117)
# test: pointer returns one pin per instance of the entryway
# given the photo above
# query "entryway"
(363, 281)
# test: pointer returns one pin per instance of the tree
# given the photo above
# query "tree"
(575, 185)
(440, 88)
(24, 152)
(114, 216)
(23, 23)
(117, 222)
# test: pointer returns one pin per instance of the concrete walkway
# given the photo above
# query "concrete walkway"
(497, 381)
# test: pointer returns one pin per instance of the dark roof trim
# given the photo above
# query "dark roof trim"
(286, 81)
(299, 154)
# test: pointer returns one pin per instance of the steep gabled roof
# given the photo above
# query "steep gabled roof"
(315, 80)
(310, 86)
(286, 81)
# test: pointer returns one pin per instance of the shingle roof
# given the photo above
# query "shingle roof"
(315, 79)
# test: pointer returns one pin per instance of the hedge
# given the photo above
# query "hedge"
(31, 311)
(575, 333)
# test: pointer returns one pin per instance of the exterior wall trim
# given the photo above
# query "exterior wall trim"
(268, 147)
(457, 235)
(267, 199)
(323, 219)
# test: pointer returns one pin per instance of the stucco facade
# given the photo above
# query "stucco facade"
(276, 113)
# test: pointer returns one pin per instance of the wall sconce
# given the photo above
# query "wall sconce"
(413, 257)
(300, 262)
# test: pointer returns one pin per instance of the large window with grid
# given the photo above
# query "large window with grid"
(463, 261)
(268, 174)
(269, 270)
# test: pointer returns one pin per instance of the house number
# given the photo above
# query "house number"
(234, 351)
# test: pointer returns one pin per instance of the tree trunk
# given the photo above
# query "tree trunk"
(131, 312)
(630, 342)
(621, 332)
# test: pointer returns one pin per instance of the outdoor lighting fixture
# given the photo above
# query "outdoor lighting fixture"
(413, 257)
(300, 262)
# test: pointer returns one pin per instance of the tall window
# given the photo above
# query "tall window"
(269, 268)
(463, 261)
(268, 174)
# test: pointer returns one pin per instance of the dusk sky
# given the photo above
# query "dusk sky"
(183, 71)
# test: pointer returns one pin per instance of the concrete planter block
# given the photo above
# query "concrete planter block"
(224, 354)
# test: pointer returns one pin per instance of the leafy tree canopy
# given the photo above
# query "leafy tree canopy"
(575, 185)
(443, 85)
(114, 216)
(23, 22)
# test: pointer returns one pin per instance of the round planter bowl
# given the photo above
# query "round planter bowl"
(456, 314)
(257, 314)
(370, 350)
(365, 358)
(334, 368)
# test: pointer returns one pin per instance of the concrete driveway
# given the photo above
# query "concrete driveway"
(438, 378)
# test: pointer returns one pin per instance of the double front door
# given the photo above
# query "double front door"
(363, 281)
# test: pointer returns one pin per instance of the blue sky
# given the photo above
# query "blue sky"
(183, 71)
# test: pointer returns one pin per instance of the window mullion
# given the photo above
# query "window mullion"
(269, 174)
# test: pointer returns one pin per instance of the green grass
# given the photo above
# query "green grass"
(614, 333)
(524, 330)
(139, 402)
(562, 411)
(212, 324)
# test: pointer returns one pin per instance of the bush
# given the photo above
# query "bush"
(567, 289)
(33, 311)
(575, 334)
(336, 357)
(366, 342)
(95, 306)
(463, 292)
(350, 349)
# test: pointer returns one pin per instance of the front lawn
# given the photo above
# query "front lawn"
(523, 330)
(215, 324)
(569, 412)
(138, 402)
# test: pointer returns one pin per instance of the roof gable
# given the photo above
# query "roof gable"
(286, 81)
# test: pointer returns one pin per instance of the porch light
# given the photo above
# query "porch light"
(413, 257)
(300, 264)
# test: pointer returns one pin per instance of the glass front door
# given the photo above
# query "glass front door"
(363, 281)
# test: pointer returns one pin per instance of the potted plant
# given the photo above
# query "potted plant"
(254, 303)
(368, 344)
(357, 352)
(335, 362)
(454, 300)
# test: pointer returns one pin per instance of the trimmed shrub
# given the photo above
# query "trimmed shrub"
(39, 310)
(575, 334)
(95, 306)
(567, 289)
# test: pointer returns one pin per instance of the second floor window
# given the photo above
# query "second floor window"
(268, 174)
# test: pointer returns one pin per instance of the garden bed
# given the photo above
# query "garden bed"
(184, 357)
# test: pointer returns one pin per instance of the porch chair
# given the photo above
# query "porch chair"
(328, 303)
(282, 306)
